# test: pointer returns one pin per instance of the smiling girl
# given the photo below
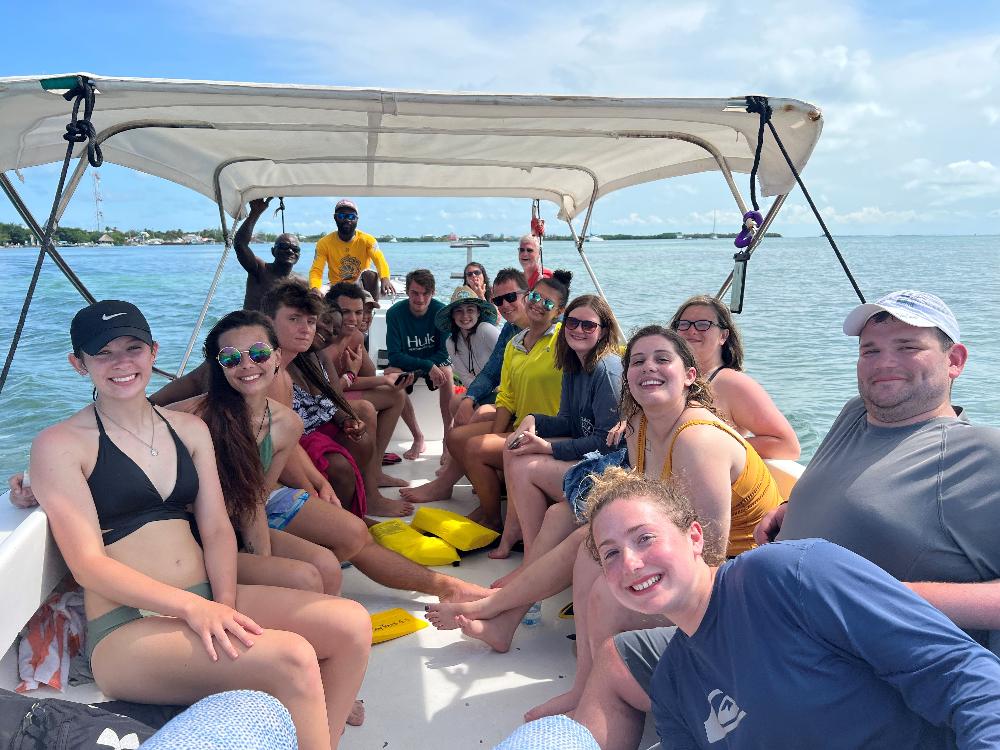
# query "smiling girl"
(845, 655)
(588, 354)
(115, 480)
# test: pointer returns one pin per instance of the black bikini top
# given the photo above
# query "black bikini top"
(126, 499)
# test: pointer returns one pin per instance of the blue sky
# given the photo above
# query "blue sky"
(910, 91)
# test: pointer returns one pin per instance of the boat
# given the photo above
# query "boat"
(234, 142)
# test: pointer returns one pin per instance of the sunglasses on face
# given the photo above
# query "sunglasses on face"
(285, 246)
(548, 304)
(230, 356)
(473, 272)
(699, 325)
(509, 297)
(345, 217)
(588, 326)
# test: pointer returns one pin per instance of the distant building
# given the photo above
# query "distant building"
(105, 239)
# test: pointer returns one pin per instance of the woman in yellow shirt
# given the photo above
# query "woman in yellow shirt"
(530, 383)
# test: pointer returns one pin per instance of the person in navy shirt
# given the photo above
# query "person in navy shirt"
(794, 644)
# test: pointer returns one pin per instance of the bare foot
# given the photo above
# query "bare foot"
(505, 580)
(507, 540)
(380, 505)
(497, 633)
(561, 704)
(490, 522)
(428, 493)
(418, 447)
(457, 590)
(388, 480)
(445, 458)
(357, 716)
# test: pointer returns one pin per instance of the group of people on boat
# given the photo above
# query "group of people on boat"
(208, 535)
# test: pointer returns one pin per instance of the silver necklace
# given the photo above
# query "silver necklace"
(152, 432)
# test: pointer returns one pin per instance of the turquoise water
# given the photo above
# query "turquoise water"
(796, 299)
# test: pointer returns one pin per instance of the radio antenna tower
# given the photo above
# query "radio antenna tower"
(98, 200)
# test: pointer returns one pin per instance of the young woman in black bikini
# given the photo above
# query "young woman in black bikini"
(102, 476)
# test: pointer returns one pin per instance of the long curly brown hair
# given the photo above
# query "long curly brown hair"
(224, 410)
(699, 392)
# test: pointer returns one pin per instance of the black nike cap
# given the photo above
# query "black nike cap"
(97, 324)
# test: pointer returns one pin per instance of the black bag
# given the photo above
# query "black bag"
(51, 724)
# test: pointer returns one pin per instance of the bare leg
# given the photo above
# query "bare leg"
(483, 458)
(494, 619)
(395, 571)
(388, 403)
(347, 536)
(442, 486)
(321, 558)
(613, 705)
(363, 451)
(559, 523)
(585, 573)
(446, 394)
(511, 530)
(340, 474)
(277, 570)
(314, 672)
(533, 480)
(410, 420)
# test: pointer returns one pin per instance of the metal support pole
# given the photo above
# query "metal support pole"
(758, 237)
(15, 200)
(583, 256)
(228, 243)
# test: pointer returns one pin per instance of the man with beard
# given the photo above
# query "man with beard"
(349, 252)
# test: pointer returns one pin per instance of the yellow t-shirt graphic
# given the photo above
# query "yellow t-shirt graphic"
(346, 260)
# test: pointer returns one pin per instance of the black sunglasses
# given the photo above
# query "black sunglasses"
(588, 326)
(285, 246)
(509, 297)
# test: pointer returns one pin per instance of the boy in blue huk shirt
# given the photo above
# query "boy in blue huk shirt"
(414, 344)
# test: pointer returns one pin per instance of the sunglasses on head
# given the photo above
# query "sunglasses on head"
(588, 326)
(346, 216)
(230, 356)
(548, 304)
(509, 297)
(699, 325)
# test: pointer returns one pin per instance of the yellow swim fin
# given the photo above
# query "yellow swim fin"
(394, 623)
(425, 550)
(455, 529)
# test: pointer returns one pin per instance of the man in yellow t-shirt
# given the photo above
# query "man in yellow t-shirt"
(349, 253)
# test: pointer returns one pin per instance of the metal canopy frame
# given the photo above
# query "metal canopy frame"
(757, 233)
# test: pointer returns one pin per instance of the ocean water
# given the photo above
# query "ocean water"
(796, 299)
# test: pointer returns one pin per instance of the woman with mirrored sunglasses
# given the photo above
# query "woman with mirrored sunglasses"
(116, 480)
(254, 437)
(530, 383)
(707, 326)
(588, 352)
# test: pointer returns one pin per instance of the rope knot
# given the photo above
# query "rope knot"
(80, 129)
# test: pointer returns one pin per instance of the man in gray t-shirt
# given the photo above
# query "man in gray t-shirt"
(902, 478)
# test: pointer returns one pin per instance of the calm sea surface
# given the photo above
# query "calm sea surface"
(796, 299)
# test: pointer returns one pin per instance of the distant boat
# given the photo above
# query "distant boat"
(595, 238)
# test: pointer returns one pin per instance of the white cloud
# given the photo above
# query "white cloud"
(957, 181)
(635, 219)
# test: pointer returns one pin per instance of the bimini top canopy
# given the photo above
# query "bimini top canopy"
(259, 140)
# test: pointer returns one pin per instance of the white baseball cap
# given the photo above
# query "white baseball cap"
(920, 309)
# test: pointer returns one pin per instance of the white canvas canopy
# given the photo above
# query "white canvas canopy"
(258, 140)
